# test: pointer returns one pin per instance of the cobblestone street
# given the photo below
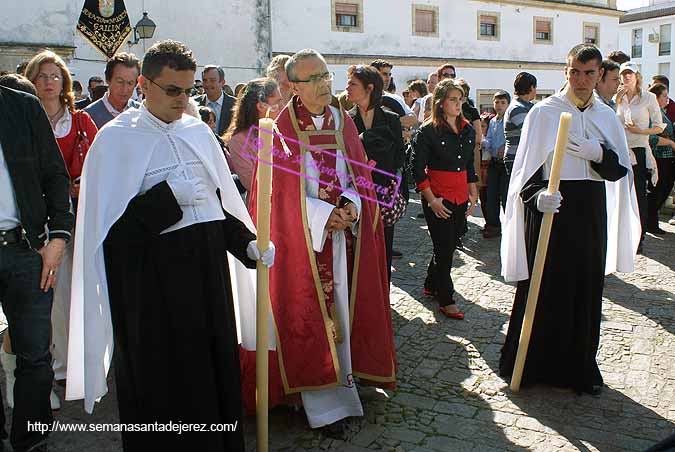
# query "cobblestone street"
(449, 395)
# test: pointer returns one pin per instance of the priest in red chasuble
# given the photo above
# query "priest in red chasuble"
(329, 290)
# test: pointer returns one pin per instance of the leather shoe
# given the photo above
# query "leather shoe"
(655, 230)
(453, 315)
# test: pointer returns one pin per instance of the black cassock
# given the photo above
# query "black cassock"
(176, 355)
(566, 329)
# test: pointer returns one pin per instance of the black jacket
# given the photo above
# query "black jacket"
(225, 111)
(383, 142)
(443, 150)
(39, 176)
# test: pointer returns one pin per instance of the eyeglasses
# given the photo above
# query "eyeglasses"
(449, 74)
(46, 77)
(325, 77)
(173, 91)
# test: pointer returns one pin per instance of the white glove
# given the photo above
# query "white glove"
(189, 192)
(655, 177)
(587, 149)
(267, 257)
(548, 202)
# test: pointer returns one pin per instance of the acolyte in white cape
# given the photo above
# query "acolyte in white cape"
(536, 149)
(113, 174)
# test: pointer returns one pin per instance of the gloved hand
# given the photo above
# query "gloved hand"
(655, 176)
(189, 192)
(548, 202)
(587, 149)
(267, 257)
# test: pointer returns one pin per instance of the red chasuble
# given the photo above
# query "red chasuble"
(301, 279)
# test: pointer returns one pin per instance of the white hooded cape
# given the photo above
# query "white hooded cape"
(536, 146)
(112, 175)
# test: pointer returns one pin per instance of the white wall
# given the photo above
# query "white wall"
(390, 35)
(224, 32)
(649, 63)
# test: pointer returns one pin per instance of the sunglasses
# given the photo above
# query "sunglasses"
(173, 91)
(448, 74)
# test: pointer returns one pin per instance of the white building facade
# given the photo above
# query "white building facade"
(231, 33)
(489, 42)
(645, 34)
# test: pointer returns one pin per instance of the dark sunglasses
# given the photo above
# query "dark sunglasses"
(448, 74)
(173, 91)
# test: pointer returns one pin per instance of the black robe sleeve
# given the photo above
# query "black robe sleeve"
(237, 237)
(609, 169)
(529, 192)
(148, 214)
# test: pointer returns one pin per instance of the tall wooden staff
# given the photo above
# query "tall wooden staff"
(264, 202)
(540, 257)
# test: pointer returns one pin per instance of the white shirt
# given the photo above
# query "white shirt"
(63, 125)
(113, 111)
(9, 211)
(171, 154)
(639, 111)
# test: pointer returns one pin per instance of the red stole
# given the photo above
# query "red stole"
(305, 331)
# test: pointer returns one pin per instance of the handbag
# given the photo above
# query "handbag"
(80, 147)
(391, 215)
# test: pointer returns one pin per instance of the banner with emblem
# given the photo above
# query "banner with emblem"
(105, 24)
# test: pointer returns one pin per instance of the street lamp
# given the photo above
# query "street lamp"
(144, 29)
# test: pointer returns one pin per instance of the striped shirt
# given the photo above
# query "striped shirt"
(513, 123)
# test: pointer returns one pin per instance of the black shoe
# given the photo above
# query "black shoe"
(656, 230)
(594, 390)
(396, 254)
(459, 245)
(420, 215)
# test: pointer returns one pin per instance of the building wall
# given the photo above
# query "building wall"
(231, 33)
(487, 65)
(650, 60)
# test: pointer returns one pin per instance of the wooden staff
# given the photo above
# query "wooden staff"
(264, 203)
(540, 256)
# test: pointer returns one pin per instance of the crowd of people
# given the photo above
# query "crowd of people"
(128, 227)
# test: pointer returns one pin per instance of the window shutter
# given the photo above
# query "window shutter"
(543, 26)
(488, 20)
(347, 9)
(424, 21)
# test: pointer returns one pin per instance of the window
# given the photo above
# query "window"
(664, 69)
(425, 20)
(664, 40)
(542, 94)
(591, 34)
(543, 30)
(484, 100)
(347, 16)
(636, 43)
(488, 26)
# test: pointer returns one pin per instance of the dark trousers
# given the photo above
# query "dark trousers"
(497, 188)
(658, 195)
(388, 246)
(444, 234)
(28, 310)
(641, 176)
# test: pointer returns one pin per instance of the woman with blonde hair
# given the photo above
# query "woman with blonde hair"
(636, 107)
(74, 131)
(444, 173)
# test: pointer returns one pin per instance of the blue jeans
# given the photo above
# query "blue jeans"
(28, 310)
(497, 189)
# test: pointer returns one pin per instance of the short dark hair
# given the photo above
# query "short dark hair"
(125, 59)
(439, 71)
(21, 67)
(501, 94)
(662, 79)
(608, 66)
(18, 82)
(618, 57)
(368, 75)
(98, 91)
(205, 113)
(523, 83)
(94, 79)
(169, 53)
(420, 86)
(77, 86)
(658, 89)
(211, 67)
(379, 64)
(584, 53)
